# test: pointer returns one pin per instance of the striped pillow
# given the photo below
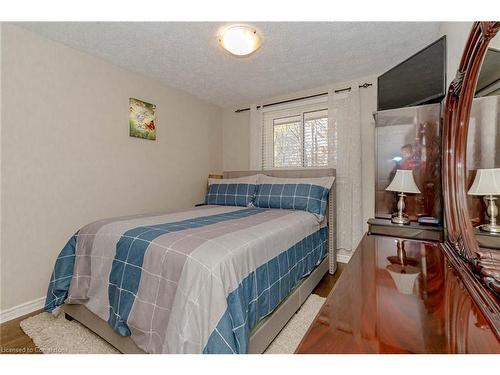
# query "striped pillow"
(307, 194)
(232, 191)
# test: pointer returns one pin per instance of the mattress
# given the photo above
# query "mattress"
(191, 281)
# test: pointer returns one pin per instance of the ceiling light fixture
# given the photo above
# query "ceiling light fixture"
(240, 40)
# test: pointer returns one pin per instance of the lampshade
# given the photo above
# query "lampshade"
(487, 182)
(405, 282)
(403, 182)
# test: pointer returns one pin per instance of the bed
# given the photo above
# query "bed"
(214, 279)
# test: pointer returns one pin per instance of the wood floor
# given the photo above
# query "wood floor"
(326, 284)
(14, 341)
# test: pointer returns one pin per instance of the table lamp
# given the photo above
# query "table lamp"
(402, 183)
(487, 183)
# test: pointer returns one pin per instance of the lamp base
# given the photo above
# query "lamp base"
(400, 220)
(490, 228)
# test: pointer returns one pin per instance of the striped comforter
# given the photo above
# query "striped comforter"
(193, 281)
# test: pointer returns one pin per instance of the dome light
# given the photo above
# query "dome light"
(240, 40)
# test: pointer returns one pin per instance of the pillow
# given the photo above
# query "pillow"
(307, 194)
(232, 191)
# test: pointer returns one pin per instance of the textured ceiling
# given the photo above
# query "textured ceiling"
(294, 55)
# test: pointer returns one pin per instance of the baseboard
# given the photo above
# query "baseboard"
(20, 310)
(343, 256)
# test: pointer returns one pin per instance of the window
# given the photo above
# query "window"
(296, 138)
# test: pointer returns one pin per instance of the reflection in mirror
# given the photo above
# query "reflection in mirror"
(488, 83)
(483, 148)
(409, 139)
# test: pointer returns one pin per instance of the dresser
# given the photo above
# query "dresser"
(399, 296)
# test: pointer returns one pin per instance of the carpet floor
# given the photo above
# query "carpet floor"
(56, 335)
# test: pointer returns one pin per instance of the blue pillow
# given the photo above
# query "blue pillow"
(309, 195)
(232, 192)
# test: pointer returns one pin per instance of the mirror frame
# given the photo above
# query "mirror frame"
(479, 270)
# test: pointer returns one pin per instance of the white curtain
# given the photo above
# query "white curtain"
(344, 127)
(255, 138)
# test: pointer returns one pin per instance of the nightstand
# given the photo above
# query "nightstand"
(413, 231)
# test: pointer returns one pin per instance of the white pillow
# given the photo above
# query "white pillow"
(325, 182)
(238, 180)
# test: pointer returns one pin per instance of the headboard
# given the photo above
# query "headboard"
(307, 173)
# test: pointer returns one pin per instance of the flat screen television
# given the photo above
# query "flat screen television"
(488, 82)
(420, 79)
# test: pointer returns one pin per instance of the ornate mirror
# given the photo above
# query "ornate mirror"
(483, 151)
(469, 169)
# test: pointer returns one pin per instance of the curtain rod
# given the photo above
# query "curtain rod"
(363, 86)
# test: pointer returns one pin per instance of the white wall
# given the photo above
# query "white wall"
(235, 140)
(67, 158)
(456, 36)
(235, 130)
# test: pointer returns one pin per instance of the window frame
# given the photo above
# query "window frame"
(290, 110)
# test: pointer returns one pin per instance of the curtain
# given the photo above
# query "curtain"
(344, 142)
(255, 138)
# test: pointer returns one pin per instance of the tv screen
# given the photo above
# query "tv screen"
(488, 82)
(420, 79)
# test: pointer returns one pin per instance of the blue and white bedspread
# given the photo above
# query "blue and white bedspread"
(194, 281)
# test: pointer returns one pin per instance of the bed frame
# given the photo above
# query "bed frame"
(268, 328)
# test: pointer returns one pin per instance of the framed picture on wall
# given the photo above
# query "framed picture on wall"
(142, 119)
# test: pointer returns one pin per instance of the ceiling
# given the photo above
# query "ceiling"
(294, 56)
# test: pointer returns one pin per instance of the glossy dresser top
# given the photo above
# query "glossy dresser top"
(399, 296)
